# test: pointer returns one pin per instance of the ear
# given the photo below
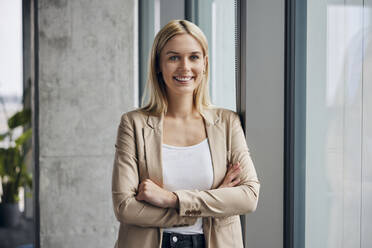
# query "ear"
(206, 61)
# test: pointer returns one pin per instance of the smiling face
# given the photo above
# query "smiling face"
(182, 63)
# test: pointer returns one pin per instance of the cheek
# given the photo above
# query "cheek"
(166, 71)
(199, 71)
(197, 67)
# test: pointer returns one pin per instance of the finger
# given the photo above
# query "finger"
(233, 174)
(235, 182)
(146, 183)
(139, 196)
(237, 164)
(140, 187)
(231, 167)
(143, 186)
(234, 166)
(148, 180)
(232, 170)
(236, 173)
(153, 183)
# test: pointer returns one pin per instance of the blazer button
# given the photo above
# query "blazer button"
(187, 212)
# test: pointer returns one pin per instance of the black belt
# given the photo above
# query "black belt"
(178, 240)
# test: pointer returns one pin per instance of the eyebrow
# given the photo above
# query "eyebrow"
(173, 52)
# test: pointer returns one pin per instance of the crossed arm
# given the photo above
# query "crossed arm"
(147, 204)
(154, 194)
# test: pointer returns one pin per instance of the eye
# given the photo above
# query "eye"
(194, 57)
(173, 58)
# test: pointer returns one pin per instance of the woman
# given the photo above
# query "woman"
(182, 172)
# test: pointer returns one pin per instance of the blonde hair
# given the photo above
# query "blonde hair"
(155, 86)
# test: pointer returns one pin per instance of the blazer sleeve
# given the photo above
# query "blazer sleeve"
(229, 201)
(125, 181)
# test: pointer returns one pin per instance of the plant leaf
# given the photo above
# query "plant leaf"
(2, 161)
(20, 118)
(4, 135)
(24, 137)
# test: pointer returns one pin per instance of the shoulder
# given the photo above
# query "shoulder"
(134, 116)
(222, 114)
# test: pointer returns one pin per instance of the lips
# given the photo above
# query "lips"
(183, 78)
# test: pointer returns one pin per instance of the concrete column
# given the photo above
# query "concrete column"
(87, 79)
(264, 117)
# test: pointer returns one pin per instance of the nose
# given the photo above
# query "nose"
(185, 63)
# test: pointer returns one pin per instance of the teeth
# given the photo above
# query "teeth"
(183, 78)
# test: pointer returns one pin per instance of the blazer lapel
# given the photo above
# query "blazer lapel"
(153, 139)
(217, 145)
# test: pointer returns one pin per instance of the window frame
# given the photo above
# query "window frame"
(295, 124)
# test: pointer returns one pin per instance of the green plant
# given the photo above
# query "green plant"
(13, 171)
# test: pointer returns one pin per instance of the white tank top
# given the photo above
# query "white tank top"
(190, 168)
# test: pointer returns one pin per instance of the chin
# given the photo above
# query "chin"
(181, 91)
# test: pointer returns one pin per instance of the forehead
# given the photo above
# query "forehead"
(182, 43)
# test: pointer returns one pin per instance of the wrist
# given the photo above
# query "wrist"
(173, 200)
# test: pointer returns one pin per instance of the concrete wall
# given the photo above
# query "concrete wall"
(264, 118)
(87, 79)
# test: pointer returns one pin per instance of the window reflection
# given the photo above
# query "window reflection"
(339, 85)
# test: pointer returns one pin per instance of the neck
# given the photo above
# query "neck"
(180, 106)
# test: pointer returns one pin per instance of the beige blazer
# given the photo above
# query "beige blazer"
(138, 156)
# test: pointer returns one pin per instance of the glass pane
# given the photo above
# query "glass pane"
(217, 20)
(338, 164)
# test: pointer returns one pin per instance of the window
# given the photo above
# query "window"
(220, 33)
(332, 168)
(338, 120)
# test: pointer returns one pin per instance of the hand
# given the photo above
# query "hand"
(152, 193)
(232, 176)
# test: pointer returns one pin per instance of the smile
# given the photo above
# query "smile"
(183, 78)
